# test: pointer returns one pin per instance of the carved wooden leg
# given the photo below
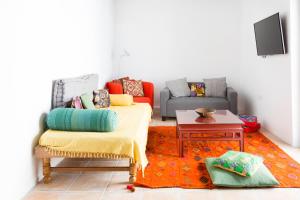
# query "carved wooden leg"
(242, 141)
(132, 171)
(46, 170)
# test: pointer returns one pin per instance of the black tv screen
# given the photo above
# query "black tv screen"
(268, 36)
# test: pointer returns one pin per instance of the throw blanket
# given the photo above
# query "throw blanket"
(129, 140)
(70, 119)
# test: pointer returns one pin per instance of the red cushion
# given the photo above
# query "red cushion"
(114, 88)
(142, 100)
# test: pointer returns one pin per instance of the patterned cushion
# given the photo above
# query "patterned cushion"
(241, 163)
(101, 98)
(197, 89)
(76, 103)
(133, 87)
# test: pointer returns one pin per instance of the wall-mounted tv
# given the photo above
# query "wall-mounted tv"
(269, 36)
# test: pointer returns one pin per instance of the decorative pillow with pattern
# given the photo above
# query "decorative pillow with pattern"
(133, 87)
(76, 103)
(197, 89)
(241, 163)
(101, 98)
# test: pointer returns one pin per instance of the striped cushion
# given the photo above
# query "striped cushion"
(70, 119)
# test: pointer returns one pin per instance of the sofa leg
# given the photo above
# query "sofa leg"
(163, 118)
(46, 170)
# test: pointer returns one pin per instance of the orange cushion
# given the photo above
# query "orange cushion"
(142, 100)
(114, 88)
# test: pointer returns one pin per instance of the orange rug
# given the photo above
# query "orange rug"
(166, 169)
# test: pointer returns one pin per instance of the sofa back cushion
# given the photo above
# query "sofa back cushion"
(179, 87)
(114, 88)
(215, 87)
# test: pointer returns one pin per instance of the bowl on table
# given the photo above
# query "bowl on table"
(205, 112)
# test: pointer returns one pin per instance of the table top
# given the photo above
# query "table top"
(190, 117)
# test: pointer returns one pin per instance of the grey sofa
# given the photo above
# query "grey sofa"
(169, 104)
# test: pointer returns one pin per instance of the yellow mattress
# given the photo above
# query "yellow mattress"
(128, 140)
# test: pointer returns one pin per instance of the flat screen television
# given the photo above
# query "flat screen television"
(269, 36)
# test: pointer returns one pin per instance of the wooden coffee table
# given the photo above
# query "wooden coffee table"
(222, 126)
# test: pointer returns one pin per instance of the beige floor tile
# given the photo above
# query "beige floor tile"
(77, 159)
(277, 194)
(39, 195)
(123, 163)
(118, 183)
(81, 196)
(101, 163)
(122, 196)
(161, 194)
(91, 182)
(100, 159)
(201, 194)
(68, 163)
(60, 182)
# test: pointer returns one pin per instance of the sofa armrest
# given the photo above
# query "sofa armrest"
(149, 91)
(232, 98)
(164, 97)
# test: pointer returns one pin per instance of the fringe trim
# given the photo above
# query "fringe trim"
(69, 154)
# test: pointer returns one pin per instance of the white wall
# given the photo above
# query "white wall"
(42, 40)
(265, 83)
(295, 71)
(172, 39)
(199, 39)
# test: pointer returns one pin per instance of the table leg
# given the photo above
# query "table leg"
(180, 143)
(242, 141)
(180, 147)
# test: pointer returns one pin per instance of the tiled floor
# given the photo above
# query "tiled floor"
(111, 185)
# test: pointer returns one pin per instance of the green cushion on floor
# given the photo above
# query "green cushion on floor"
(241, 163)
(220, 177)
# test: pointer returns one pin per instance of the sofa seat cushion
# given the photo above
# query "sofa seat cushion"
(142, 100)
(191, 103)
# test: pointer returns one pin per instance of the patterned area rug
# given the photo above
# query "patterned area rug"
(166, 169)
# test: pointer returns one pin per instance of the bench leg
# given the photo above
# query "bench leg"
(46, 170)
(132, 172)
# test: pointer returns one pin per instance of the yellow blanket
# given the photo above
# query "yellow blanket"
(128, 140)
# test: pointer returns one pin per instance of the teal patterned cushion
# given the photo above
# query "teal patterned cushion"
(70, 119)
